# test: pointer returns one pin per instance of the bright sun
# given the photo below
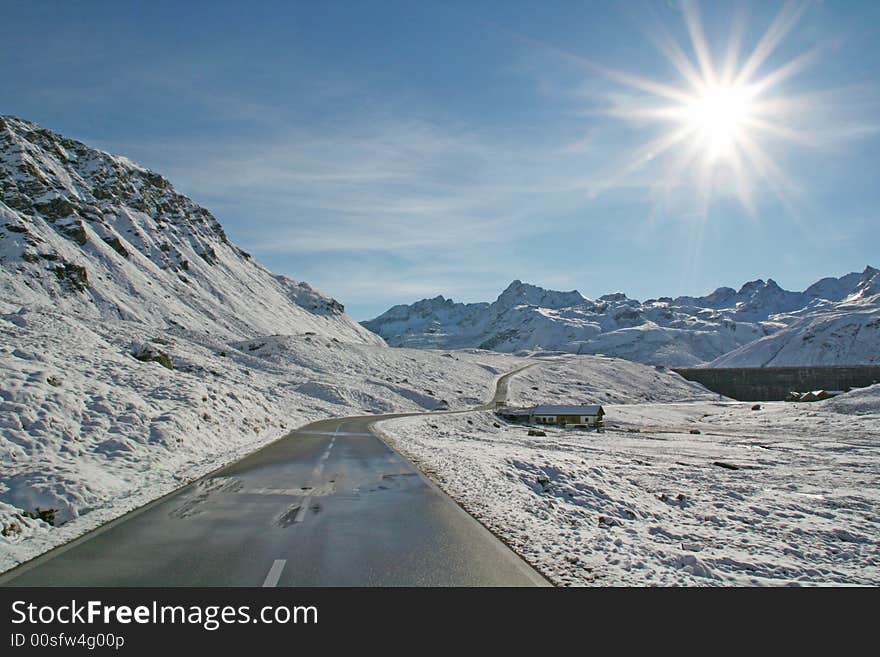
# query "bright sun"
(717, 120)
(719, 116)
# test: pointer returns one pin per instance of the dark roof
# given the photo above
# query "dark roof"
(550, 409)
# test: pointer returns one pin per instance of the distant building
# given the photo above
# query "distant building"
(813, 395)
(588, 415)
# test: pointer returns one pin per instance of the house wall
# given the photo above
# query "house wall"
(565, 419)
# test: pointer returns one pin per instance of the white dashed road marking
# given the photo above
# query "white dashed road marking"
(274, 573)
(300, 516)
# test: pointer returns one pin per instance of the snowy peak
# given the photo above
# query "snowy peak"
(835, 289)
(78, 190)
(96, 234)
(721, 298)
(762, 300)
(613, 297)
(519, 293)
(868, 285)
(751, 287)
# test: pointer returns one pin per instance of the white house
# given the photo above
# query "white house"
(590, 414)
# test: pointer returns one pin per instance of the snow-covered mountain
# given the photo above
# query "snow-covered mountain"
(845, 332)
(94, 234)
(834, 321)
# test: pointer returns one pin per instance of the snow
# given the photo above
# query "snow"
(746, 327)
(570, 379)
(862, 401)
(648, 502)
(848, 333)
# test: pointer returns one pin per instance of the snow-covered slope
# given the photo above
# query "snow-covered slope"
(861, 401)
(684, 331)
(99, 236)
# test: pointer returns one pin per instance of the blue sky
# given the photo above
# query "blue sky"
(389, 151)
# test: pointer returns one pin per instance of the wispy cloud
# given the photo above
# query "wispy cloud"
(380, 183)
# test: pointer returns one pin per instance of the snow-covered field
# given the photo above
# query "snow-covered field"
(569, 379)
(785, 495)
(91, 432)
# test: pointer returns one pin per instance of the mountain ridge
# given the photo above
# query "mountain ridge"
(680, 331)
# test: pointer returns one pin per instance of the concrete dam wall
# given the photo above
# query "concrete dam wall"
(774, 383)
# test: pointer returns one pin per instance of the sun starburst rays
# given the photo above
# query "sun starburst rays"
(717, 122)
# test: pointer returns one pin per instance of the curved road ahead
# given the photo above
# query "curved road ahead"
(329, 504)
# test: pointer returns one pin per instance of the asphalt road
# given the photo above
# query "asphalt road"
(328, 505)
